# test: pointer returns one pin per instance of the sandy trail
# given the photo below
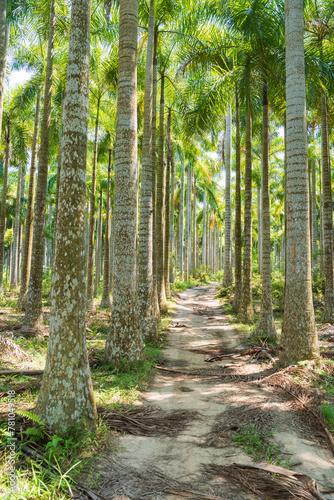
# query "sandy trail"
(197, 324)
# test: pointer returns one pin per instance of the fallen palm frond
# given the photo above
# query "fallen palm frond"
(304, 400)
(148, 420)
(269, 481)
(8, 348)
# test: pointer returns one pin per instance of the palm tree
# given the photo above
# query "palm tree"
(27, 249)
(299, 337)
(266, 324)
(66, 396)
(147, 319)
(105, 301)
(3, 53)
(3, 203)
(228, 275)
(33, 316)
(237, 227)
(124, 341)
(188, 221)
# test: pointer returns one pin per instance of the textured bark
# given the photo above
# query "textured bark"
(90, 269)
(4, 32)
(228, 274)
(26, 261)
(181, 223)
(160, 216)
(204, 257)
(266, 324)
(98, 248)
(166, 239)
(194, 246)
(246, 311)
(111, 250)
(124, 343)
(3, 204)
(155, 301)
(60, 149)
(259, 222)
(172, 230)
(299, 337)
(147, 320)
(33, 316)
(105, 301)
(321, 242)
(66, 397)
(314, 219)
(14, 270)
(328, 316)
(188, 223)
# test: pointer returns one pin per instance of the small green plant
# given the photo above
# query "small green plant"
(328, 411)
(256, 442)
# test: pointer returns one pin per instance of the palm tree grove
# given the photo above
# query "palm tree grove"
(166, 249)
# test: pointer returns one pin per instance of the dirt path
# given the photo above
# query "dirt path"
(157, 467)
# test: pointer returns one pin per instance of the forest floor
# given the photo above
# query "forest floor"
(209, 415)
(237, 409)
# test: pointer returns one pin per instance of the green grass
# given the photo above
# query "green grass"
(257, 443)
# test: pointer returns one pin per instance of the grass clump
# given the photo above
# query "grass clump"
(256, 442)
(328, 412)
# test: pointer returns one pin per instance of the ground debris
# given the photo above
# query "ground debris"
(9, 349)
(148, 420)
(268, 481)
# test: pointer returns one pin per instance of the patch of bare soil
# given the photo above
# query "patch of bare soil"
(207, 388)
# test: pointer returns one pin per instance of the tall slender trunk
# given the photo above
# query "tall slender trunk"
(299, 337)
(124, 343)
(228, 274)
(194, 258)
(98, 248)
(60, 152)
(48, 240)
(105, 301)
(147, 320)
(181, 222)
(246, 311)
(111, 250)
(172, 230)
(160, 223)
(33, 315)
(321, 242)
(328, 316)
(90, 271)
(66, 397)
(14, 273)
(3, 203)
(266, 324)
(204, 232)
(259, 221)
(4, 35)
(188, 222)
(166, 240)
(26, 261)
(314, 219)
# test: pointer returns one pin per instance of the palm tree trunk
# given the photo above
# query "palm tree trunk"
(66, 397)
(299, 337)
(3, 204)
(172, 230)
(181, 222)
(188, 222)
(33, 315)
(314, 219)
(159, 223)
(204, 232)
(147, 320)
(266, 324)
(194, 258)
(90, 270)
(246, 311)
(322, 263)
(328, 316)
(228, 275)
(98, 248)
(166, 240)
(111, 251)
(105, 301)
(60, 150)
(124, 341)
(259, 222)
(26, 262)
(14, 273)
(4, 32)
